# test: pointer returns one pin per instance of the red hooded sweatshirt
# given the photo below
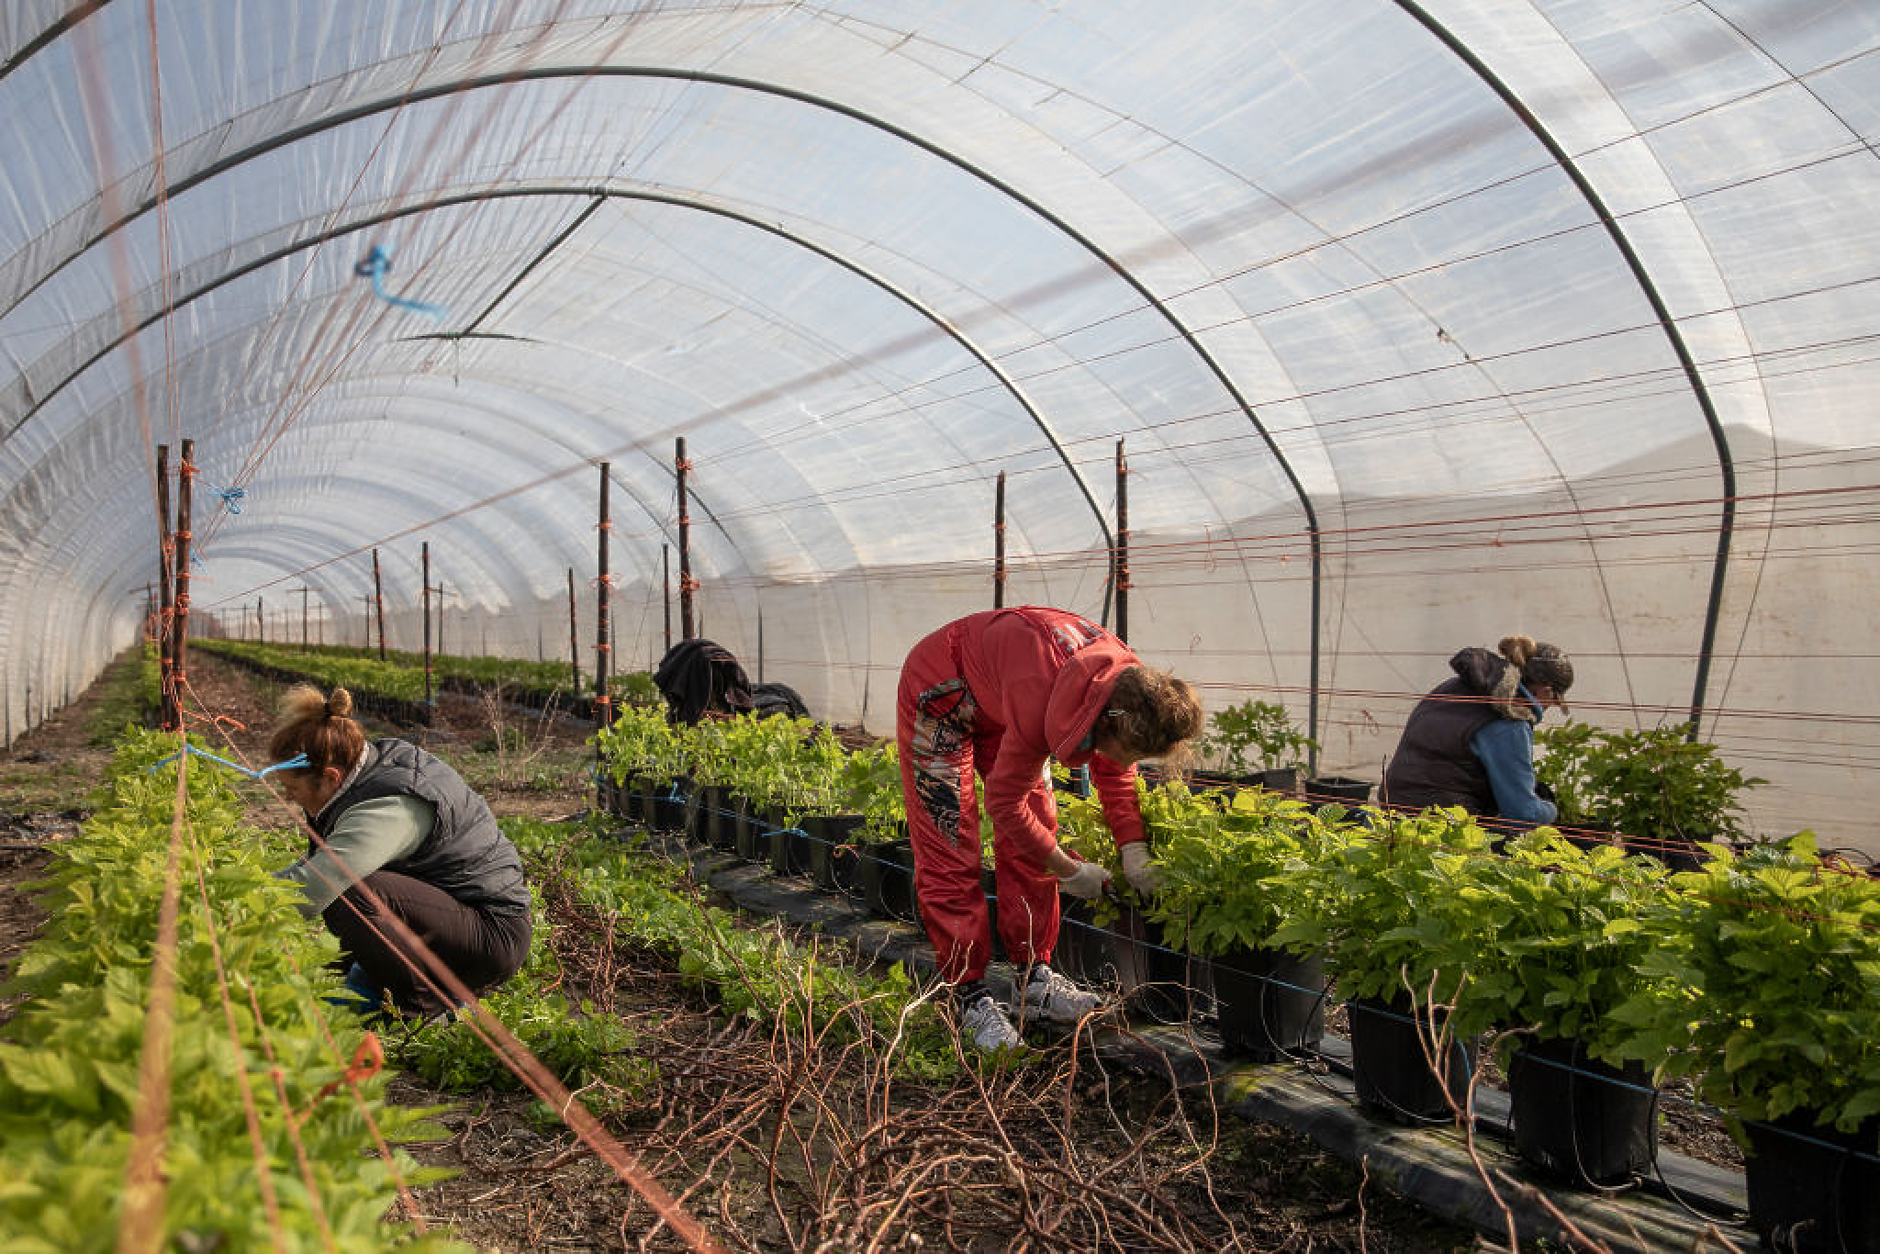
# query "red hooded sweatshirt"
(1044, 675)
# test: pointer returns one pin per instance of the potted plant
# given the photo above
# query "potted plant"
(1399, 938)
(1663, 792)
(1234, 870)
(884, 872)
(1570, 947)
(1256, 743)
(1766, 994)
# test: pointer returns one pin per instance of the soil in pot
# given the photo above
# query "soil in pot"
(1578, 1118)
(1270, 1004)
(1394, 1078)
(1812, 1189)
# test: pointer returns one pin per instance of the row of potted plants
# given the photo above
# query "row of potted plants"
(1755, 976)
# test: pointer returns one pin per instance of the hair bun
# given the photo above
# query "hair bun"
(1517, 649)
(339, 703)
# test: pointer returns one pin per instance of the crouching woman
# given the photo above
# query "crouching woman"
(393, 818)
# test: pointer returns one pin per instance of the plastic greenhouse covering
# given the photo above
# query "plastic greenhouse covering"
(1413, 325)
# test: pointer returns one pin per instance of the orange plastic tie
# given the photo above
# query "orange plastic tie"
(367, 1061)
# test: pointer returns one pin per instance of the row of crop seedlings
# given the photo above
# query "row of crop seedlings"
(69, 1063)
(1756, 977)
(394, 688)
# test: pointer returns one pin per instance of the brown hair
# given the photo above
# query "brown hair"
(1539, 663)
(319, 726)
(1154, 714)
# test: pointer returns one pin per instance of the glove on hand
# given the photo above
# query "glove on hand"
(1142, 877)
(1086, 881)
(1543, 790)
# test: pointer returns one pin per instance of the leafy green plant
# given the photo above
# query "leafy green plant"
(69, 1068)
(1765, 985)
(1397, 905)
(1255, 736)
(1234, 868)
(1569, 943)
(869, 784)
(758, 974)
(1654, 783)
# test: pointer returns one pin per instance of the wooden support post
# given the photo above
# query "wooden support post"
(179, 629)
(687, 585)
(303, 590)
(998, 545)
(574, 636)
(603, 711)
(665, 588)
(166, 607)
(378, 599)
(261, 624)
(1121, 568)
(424, 581)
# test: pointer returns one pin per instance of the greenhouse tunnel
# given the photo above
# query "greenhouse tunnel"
(1413, 324)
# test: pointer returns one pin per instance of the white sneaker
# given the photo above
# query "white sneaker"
(985, 1025)
(1053, 998)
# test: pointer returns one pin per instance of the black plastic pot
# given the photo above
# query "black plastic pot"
(1270, 1004)
(827, 834)
(1812, 1189)
(1283, 779)
(663, 807)
(1340, 788)
(713, 818)
(752, 841)
(789, 842)
(1578, 1118)
(989, 885)
(1084, 951)
(1393, 1076)
(1159, 982)
(887, 878)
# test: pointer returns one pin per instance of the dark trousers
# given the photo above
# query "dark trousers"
(480, 948)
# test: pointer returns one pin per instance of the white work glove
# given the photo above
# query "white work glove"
(1086, 881)
(1142, 877)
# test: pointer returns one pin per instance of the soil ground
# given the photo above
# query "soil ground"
(523, 1184)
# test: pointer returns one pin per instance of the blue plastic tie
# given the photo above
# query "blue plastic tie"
(296, 762)
(378, 264)
(231, 497)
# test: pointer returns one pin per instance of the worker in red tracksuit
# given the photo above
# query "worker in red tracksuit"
(1001, 693)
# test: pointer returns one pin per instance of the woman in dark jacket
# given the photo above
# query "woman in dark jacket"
(427, 847)
(1470, 742)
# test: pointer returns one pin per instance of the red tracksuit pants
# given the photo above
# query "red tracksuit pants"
(943, 741)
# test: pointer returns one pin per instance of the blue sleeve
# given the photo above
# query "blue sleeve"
(1506, 749)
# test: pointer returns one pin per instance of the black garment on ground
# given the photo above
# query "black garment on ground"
(774, 698)
(698, 677)
(480, 947)
(1434, 764)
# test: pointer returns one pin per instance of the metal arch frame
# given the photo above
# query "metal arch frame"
(477, 82)
(1726, 463)
(600, 194)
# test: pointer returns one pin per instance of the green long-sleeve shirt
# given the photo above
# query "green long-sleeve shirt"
(366, 837)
